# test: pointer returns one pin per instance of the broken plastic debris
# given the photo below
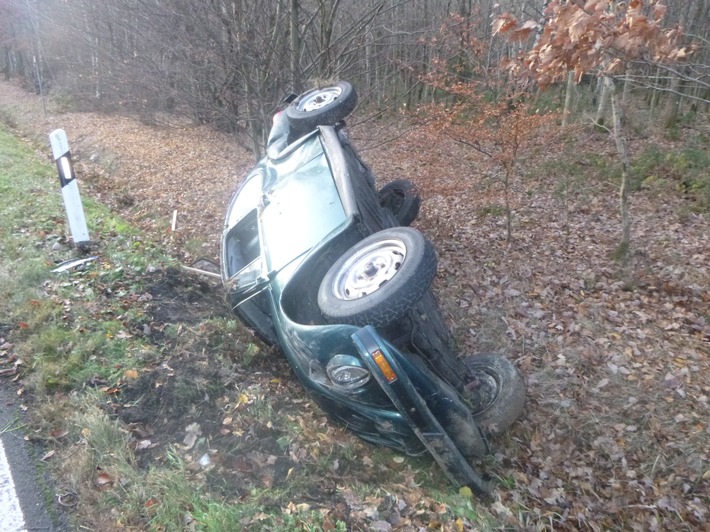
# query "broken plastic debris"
(73, 263)
(205, 461)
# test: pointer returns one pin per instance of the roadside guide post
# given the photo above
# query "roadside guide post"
(70, 187)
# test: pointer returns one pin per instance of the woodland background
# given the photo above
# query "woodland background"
(229, 63)
(521, 192)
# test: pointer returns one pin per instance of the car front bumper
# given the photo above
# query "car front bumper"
(394, 380)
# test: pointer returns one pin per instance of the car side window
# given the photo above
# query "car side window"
(242, 244)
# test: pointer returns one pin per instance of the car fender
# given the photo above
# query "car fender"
(394, 380)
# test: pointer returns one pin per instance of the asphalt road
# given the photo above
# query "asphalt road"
(23, 489)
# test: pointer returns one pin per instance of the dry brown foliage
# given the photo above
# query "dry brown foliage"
(585, 36)
(485, 110)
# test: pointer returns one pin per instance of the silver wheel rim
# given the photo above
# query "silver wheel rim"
(319, 99)
(368, 270)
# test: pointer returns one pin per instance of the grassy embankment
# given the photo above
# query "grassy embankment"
(85, 347)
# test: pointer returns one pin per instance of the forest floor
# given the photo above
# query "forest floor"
(616, 357)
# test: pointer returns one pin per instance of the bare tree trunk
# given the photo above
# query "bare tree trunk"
(295, 48)
(254, 125)
(327, 22)
(603, 102)
(368, 57)
(568, 98)
(670, 114)
(654, 95)
(7, 67)
(623, 249)
(671, 111)
(627, 88)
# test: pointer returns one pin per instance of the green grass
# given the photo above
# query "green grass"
(22, 269)
(62, 344)
(72, 328)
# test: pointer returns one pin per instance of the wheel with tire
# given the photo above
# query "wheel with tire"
(402, 199)
(321, 107)
(496, 391)
(379, 279)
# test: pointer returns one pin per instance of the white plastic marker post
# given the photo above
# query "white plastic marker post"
(70, 187)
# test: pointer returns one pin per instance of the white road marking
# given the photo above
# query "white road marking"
(11, 517)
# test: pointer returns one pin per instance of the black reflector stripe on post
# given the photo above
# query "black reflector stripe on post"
(70, 187)
(66, 169)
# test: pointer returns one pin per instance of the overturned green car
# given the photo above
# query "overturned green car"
(319, 262)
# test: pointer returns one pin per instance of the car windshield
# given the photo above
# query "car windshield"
(301, 204)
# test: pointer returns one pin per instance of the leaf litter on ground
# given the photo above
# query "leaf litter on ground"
(617, 428)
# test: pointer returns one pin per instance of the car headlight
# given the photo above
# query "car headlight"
(346, 372)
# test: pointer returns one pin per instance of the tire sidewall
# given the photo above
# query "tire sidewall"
(411, 200)
(303, 121)
(509, 404)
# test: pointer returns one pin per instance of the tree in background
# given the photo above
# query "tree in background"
(484, 109)
(605, 38)
(228, 63)
(18, 42)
